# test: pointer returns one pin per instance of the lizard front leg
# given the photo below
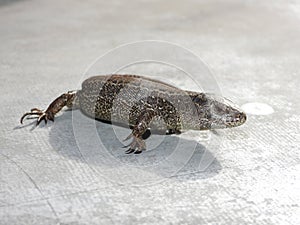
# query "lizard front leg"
(65, 99)
(138, 144)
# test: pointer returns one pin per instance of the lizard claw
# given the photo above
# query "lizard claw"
(137, 145)
(130, 150)
(41, 116)
(138, 152)
(125, 146)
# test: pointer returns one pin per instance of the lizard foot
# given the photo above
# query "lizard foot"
(137, 145)
(41, 115)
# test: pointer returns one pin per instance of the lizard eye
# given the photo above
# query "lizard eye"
(199, 99)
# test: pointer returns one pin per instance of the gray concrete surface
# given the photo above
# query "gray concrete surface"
(252, 48)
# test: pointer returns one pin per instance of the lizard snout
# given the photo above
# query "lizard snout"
(240, 118)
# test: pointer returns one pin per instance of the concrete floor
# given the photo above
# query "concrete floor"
(75, 171)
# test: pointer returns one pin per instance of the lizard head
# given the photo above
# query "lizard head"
(217, 112)
(225, 114)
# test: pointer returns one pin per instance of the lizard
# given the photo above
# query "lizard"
(138, 101)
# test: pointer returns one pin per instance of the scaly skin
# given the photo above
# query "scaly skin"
(142, 103)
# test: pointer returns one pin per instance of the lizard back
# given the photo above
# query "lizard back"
(124, 98)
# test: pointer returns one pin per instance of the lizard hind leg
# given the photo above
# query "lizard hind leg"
(65, 99)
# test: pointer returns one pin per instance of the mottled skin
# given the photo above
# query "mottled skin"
(144, 103)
